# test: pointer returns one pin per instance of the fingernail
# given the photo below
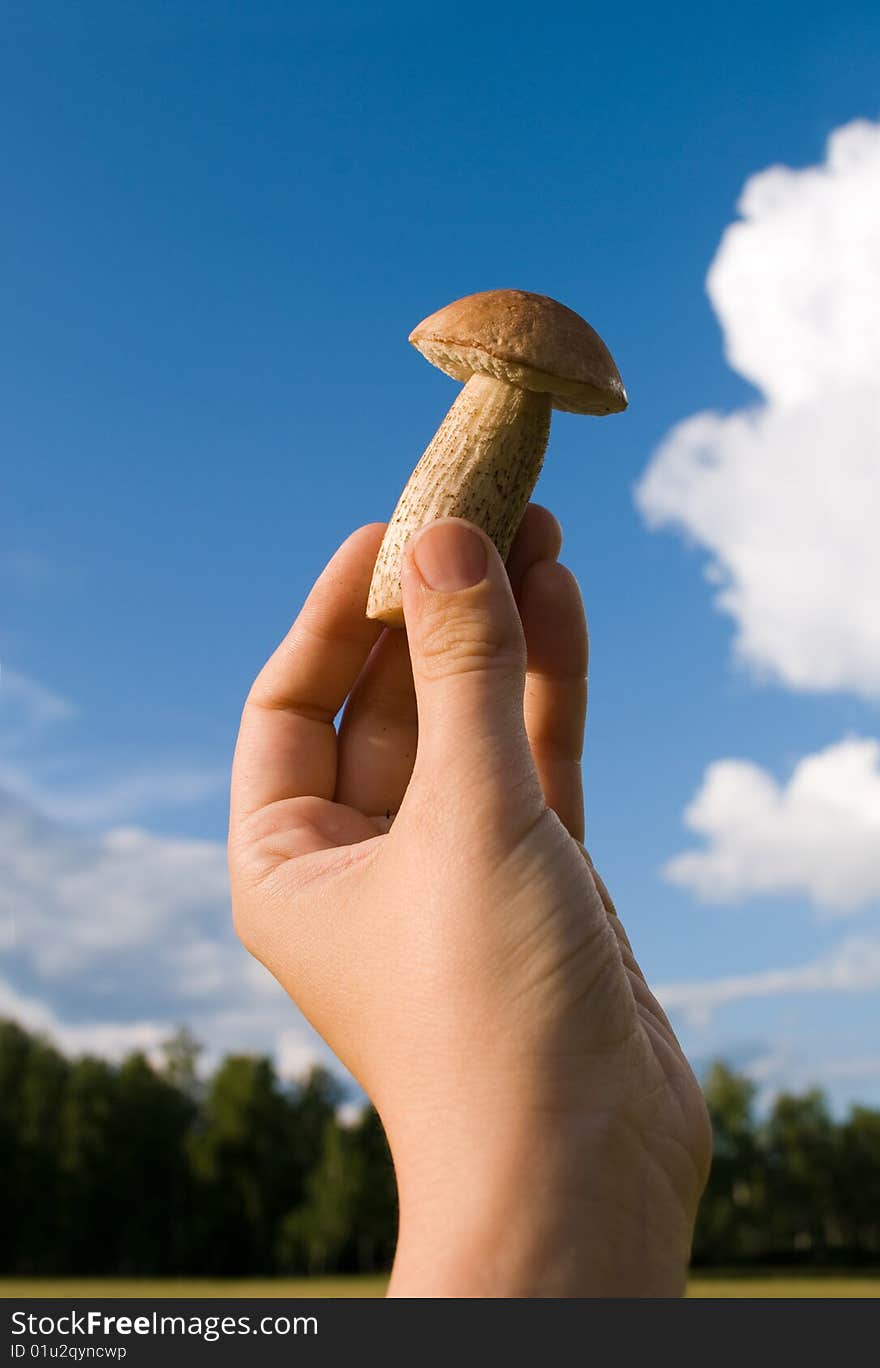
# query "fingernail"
(450, 556)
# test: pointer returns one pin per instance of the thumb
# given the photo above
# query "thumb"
(469, 662)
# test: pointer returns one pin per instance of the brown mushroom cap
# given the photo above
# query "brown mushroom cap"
(528, 340)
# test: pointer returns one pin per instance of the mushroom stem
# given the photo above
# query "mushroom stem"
(481, 464)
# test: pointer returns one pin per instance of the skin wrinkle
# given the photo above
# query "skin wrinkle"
(353, 640)
(307, 711)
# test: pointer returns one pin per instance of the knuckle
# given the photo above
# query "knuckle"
(465, 644)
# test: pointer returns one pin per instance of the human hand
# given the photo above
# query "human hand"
(417, 884)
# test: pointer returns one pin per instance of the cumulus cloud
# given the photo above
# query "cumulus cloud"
(852, 967)
(109, 1040)
(818, 835)
(73, 899)
(111, 934)
(111, 940)
(785, 495)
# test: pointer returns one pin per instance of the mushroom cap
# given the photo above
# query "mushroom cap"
(528, 340)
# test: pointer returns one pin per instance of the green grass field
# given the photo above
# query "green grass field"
(769, 1285)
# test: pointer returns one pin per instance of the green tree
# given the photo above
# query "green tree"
(15, 1045)
(857, 1184)
(33, 1080)
(313, 1237)
(798, 1142)
(730, 1222)
(142, 1170)
(313, 1102)
(155, 1190)
(348, 1221)
(180, 1055)
(374, 1208)
(89, 1146)
(245, 1166)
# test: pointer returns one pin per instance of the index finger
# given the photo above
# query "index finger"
(287, 742)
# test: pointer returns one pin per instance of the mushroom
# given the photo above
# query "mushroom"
(520, 356)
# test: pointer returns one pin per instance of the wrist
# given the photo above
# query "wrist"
(543, 1215)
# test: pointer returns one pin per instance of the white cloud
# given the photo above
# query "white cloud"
(112, 940)
(109, 1040)
(852, 967)
(818, 835)
(111, 934)
(73, 900)
(148, 788)
(785, 1068)
(256, 1029)
(295, 1055)
(349, 1114)
(785, 496)
(26, 702)
(51, 783)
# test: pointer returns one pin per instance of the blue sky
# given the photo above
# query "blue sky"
(220, 223)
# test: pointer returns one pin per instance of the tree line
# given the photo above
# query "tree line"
(795, 1187)
(145, 1169)
(139, 1170)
